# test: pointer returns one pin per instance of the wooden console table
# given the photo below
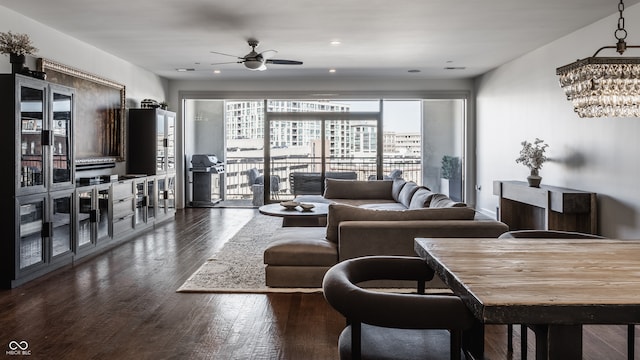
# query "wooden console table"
(546, 208)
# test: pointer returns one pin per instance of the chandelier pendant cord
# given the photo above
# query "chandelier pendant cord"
(620, 34)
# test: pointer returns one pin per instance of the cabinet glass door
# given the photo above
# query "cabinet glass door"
(103, 213)
(151, 199)
(31, 127)
(162, 204)
(171, 193)
(31, 240)
(61, 221)
(85, 211)
(171, 135)
(141, 204)
(62, 106)
(160, 143)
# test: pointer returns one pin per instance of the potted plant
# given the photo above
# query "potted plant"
(532, 156)
(17, 46)
(451, 177)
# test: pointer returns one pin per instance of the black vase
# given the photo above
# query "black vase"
(17, 62)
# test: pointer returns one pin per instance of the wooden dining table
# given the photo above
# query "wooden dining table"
(553, 286)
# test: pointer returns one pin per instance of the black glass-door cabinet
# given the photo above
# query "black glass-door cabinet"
(38, 120)
(166, 196)
(44, 234)
(42, 136)
(153, 132)
(92, 218)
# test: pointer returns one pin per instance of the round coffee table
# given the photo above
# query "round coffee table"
(296, 216)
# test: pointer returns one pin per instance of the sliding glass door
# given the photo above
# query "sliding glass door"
(304, 148)
(277, 149)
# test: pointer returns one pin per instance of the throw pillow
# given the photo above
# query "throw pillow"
(340, 212)
(421, 198)
(357, 189)
(396, 188)
(443, 201)
(407, 192)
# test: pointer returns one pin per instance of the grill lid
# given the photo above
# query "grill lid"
(207, 163)
(202, 161)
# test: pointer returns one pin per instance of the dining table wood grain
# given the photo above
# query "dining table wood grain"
(553, 285)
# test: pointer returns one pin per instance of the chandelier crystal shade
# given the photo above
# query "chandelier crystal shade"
(604, 86)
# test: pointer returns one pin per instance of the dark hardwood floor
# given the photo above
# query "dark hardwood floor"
(122, 305)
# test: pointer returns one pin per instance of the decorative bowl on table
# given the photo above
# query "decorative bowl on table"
(307, 207)
(289, 205)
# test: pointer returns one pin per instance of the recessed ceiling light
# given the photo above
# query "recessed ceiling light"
(332, 70)
(414, 71)
(455, 68)
(217, 71)
(185, 69)
(335, 42)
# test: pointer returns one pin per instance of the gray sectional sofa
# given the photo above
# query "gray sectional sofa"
(365, 218)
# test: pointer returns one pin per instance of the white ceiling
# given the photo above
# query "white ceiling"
(378, 37)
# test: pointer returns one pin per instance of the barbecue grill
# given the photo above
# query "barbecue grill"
(206, 171)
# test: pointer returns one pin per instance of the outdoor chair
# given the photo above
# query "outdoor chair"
(393, 175)
(255, 178)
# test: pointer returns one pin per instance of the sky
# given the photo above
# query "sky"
(398, 115)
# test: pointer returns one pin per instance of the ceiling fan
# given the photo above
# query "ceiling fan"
(258, 61)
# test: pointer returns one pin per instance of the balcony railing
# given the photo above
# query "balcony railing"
(237, 169)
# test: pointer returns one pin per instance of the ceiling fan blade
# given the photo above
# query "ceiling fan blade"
(283, 62)
(268, 54)
(228, 62)
(219, 53)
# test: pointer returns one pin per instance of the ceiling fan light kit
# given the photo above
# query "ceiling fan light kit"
(604, 86)
(258, 61)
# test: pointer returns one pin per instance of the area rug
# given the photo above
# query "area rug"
(238, 267)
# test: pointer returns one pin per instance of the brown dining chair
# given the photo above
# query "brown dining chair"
(555, 234)
(386, 325)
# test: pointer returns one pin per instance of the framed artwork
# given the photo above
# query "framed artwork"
(99, 115)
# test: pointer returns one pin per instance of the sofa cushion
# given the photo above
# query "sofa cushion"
(396, 188)
(421, 198)
(443, 201)
(357, 189)
(339, 213)
(407, 192)
(383, 206)
(368, 202)
(300, 246)
(312, 199)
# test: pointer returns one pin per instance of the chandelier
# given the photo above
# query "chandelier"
(604, 86)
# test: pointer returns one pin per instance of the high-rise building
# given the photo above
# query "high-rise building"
(245, 120)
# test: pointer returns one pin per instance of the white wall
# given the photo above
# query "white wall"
(522, 100)
(54, 45)
(307, 87)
